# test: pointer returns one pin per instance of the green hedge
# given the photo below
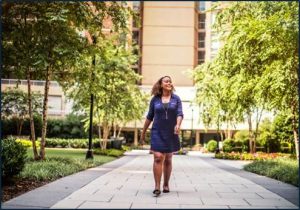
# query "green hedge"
(9, 127)
(109, 152)
(75, 143)
(67, 128)
(249, 156)
(236, 145)
(13, 157)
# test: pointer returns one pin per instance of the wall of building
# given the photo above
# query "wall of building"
(168, 41)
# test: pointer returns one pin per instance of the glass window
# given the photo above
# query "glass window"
(201, 40)
(201, 5)
(201, 21)
(201, 57)
(54, 104)
(135, 37)
(136, 5)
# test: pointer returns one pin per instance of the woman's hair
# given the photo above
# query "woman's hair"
(157, 89)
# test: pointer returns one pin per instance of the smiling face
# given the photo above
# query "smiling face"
(166, 84)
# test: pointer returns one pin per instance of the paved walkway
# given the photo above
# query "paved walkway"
(199, 182)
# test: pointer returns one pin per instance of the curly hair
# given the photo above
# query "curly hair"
(157, 89)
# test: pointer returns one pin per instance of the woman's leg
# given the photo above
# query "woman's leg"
(167, 170)
(158, 168)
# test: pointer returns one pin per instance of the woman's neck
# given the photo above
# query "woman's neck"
(166, 93)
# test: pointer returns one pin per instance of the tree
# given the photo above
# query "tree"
(259, 57)
(19, 45)
(113, 82)
(14, 105)
(53, 56)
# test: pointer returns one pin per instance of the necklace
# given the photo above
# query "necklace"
(166, 109)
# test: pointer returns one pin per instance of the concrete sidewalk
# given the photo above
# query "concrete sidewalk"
(196, 182)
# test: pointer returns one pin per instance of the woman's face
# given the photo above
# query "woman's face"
(166, 84)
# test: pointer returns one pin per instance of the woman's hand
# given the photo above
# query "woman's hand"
(142, 138)
(176, 129)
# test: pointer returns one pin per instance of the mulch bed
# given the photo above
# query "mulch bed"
(12, 189)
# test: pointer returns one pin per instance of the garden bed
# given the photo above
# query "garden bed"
(59, 163)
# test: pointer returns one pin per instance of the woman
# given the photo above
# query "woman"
(165, 111)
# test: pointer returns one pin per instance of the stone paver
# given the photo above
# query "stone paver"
(195, 183)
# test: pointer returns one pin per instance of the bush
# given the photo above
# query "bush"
(212, 145)
(249, 156)
(13, 156)
(228, 145)
(67, 128)
(9, 126)
(285, 147)
(109, 152)
(238, 146)
(283, 169)
(28, 143)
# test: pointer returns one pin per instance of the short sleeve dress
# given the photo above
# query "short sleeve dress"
(164, 120)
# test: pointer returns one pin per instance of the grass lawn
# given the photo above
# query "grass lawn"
(71, 153)
(282, 169)
(58, 163)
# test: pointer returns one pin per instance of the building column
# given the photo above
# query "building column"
(135, 143)
(197, 137)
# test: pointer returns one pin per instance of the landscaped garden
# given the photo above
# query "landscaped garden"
(254, 74)
(22, 173)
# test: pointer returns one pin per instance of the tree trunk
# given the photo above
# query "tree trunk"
(258, 118)
(251, 145)
(45, 114)
(106, 129)
(32, 131)
(20, 126)
(119, 131)
(99, 131)
(115, 130)
(295, 130)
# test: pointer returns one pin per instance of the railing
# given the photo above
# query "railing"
(24, 82)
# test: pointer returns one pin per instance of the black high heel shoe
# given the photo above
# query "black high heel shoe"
(156, 193)
(166, 190)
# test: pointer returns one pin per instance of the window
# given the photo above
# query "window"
(136, 5)
(137, 9)
(201, 6)
(201, 21)
(55, 104)
(201, 40)
(135, 37)
(201, 57)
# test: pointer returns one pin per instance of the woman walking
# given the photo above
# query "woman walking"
(165, 111)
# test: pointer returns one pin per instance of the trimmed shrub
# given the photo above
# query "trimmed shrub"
(228, 145)
(9, 127)
(109, 152)
(212, 145)
(28, 143)
(13, 156)
(67, 128)
(238, 146)
(285, 147)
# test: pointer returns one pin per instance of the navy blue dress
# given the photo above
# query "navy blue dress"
(164, 120)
